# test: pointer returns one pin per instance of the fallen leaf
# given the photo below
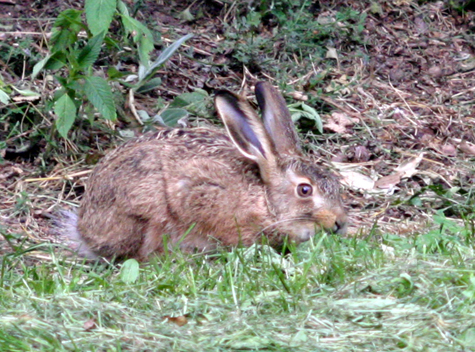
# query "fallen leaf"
(467, 147)
(388, 182)
(408, 169)
(361, 154)
(90, 325)
(449, 150)
(339, 121)
(331, 53)
(343, 119)
(8, 171)
(180, 321)
(299, 96)
(334, 127)
(356, 180)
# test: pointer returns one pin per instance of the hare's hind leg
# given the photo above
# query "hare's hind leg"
(113, 238)
(152, 241)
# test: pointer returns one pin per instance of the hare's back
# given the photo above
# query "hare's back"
(165, 154)
(165, 172)
(180, 142)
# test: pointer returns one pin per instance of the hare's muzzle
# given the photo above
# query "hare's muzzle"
(340, 227)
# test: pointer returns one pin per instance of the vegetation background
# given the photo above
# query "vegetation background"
(381, 91)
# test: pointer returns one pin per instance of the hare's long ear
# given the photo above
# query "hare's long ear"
(277, 120)
(246, 130)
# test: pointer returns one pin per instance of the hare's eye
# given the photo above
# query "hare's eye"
(304, 190)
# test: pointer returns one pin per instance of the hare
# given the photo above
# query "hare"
(207, 187)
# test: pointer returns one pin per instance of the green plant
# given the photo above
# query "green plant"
(196, 103)
(81, 86)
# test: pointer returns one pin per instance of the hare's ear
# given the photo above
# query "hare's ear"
(246, 130)
(277, 120)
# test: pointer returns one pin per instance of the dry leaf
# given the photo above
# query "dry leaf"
(356, 180)
(343, 119)
(180, 321)
(8, 171)
(467, 147)
(331, 53)
(448, 149)
(409, 168)
(388, 182)
(339, 121)
(299, 96)
(334, 127)
(90, 325)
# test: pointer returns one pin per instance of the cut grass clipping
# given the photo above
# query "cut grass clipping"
(345, 294)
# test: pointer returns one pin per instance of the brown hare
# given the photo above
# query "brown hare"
(204, 187)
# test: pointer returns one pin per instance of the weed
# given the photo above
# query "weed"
(79, 84)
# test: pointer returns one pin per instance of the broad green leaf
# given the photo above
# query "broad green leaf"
(65, 29)
(114, 73)
(123, 8)
(185, 99)
(99, 14)
(145, 45)
(90, 52)
(39, 66)
(164, 56)
(99, 94)
(168, 52)
(62, 39)
(4, 98)
(65, 110)
(68, 18)
(300, 110)
(50, 62)
(56, 61)
(171, 116)
(144, 116)
(152, 84)
(195, 102)
(130, 270)
(141, 36)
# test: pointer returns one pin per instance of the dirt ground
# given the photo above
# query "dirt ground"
(400, 134)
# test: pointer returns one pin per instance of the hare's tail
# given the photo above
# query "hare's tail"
(66, 227)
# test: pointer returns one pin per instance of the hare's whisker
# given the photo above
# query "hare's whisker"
(281, 222)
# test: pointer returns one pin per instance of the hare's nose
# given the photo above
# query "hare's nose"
(340, 227)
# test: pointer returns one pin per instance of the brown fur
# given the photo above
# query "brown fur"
(201, 188)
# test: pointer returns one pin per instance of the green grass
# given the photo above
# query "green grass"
(347, 294)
